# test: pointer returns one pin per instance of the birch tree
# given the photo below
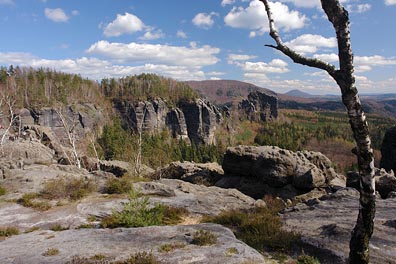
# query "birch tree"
(344, 77)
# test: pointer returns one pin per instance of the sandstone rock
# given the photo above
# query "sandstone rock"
(385, 183)
(198, 173)
(388, 150)
(260, 106)
(202, 119)
(267, 166)
(326, 226)
(117, 167)
(176, 122)
(30, 151)
(121, 243)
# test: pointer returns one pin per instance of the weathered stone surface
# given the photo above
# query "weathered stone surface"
(202, 119)
(198, 173)
(121, 243)
(326, 227)
(260, 106)
(388, 150)
(176, 122)
(258, 169)
(117, 167)
(28, 151)
(385, 183)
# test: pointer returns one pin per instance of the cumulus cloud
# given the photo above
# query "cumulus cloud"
(181, 34)
(254, 17)
(275, 66)
(56, 15)
(227, 2)
(303, 3)
(151, 35)
(97, 69)
(390, 2)
(233, 58)
(158, 54)
(123, 24)
(204, 20)
(309, 43)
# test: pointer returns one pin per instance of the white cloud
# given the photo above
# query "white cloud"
(303, 3)
(97, 69)
(156, 54)
(123, 24)
(151, 35)
(215, 73)
(254, 17)
(327, 57)
(56, 15)
(390, 2)
(203, 20)
(309, 43)
(375, 60)
(239, 57)
(361, 8)
(181, 34)
(275, 66)
(227, 2)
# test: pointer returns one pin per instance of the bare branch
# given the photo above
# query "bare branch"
(297, 58)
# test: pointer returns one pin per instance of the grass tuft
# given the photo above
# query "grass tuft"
(51, 252)
(68, 188)
(204, 238)
(8, 231)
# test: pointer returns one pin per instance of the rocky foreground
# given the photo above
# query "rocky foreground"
(324, 217)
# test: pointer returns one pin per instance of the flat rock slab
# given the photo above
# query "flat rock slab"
(121, 243)
(326, 227)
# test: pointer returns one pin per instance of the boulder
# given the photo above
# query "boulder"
(256, 170)
(388, 150)
(385, 183)
(29, 152)
(117, 167)
(198, 173)
(325, 227)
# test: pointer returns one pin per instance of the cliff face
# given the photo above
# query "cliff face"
(195, 120)
(260, 107)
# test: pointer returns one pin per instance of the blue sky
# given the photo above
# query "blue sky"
(198, 40)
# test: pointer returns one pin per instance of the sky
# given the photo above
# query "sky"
(198, 40)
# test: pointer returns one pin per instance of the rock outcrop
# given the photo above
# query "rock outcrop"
(121, 243)
(388, 150)
(260, 107)
(195, 120)
(197, 173)
(325, 227)
(257, 171)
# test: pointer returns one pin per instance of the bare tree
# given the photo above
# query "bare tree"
(344, 76)
(71, 135)
(10, 117)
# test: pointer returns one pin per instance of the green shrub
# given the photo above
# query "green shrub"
(138, 212)
(68, 188)
(141, 258)
(8, 231)
(2, 190)
(171, 247)
(204, 238)
(32, 229)
(305, 259)
(31, 200)
(259, 228)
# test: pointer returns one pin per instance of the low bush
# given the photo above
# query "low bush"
(8, 231)
(138, 212)
(259, 228)
(171, 247)
(33, 200)
(204, 238)
(51, 252)
(58, 228)
(68, 188)
(118, 185)
(141, 258)
(305, 259)
(2, 190)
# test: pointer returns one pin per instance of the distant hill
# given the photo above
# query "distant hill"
(298, 93)
(225, 91)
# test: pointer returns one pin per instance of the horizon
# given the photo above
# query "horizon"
(196, 41)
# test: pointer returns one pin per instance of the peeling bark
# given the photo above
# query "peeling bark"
(339, 18)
